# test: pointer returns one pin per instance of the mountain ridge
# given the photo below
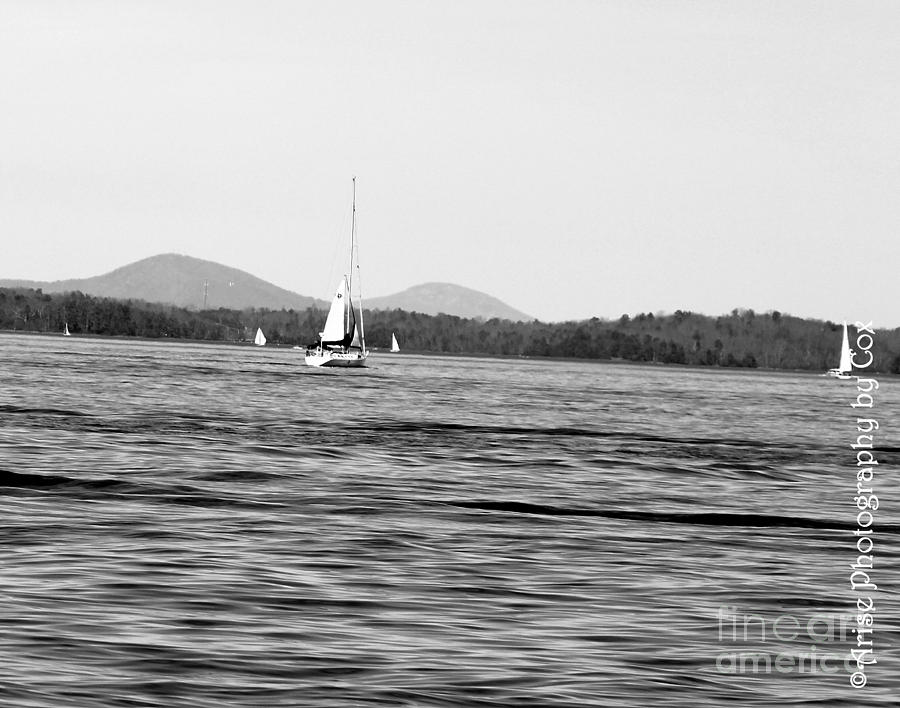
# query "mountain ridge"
(186, 281)
(435, 298)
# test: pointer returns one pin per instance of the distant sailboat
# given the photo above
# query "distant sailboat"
(66, 332)
(845, 367)
(260, 340)
(343, 341)
(394, 346)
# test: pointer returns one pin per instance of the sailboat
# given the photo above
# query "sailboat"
(260, 340)
(394, 346)
(845, 367)
(66, 332)
(343, 341)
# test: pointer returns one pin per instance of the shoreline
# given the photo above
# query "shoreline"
(457, 355)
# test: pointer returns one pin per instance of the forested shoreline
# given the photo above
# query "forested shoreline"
(742, 338)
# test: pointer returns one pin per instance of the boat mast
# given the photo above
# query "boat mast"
(350, 270)
(352, 228)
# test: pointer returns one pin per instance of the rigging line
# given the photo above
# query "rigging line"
(338, 231)
(362, 329)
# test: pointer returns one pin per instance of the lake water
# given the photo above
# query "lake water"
(200, 525)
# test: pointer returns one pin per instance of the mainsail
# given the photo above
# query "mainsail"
(341, 322)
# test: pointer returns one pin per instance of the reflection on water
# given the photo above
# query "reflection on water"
(197, 525)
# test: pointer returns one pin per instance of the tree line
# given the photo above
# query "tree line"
(741, 338)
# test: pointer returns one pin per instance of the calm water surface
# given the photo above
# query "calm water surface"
(199, 525)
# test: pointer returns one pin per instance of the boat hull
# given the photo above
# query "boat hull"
(838, 374)
(335, 359)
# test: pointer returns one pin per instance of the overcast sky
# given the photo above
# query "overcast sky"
(574, 159)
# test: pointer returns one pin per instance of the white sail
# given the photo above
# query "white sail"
(845, 367)
(394, 346)
(67, 333)
(260, 340)
(334, 326)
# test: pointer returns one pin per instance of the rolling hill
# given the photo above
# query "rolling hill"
(181, 280)
(437, 298)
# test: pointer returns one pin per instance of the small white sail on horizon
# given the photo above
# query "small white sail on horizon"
(394, 346)
(260, 340)
(845, 367)
(66, 332)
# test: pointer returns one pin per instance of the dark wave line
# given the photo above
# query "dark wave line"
(42, 411)
(702, 518)
(31, 481)
(440, 427)
(187, 423)
(115, 489)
